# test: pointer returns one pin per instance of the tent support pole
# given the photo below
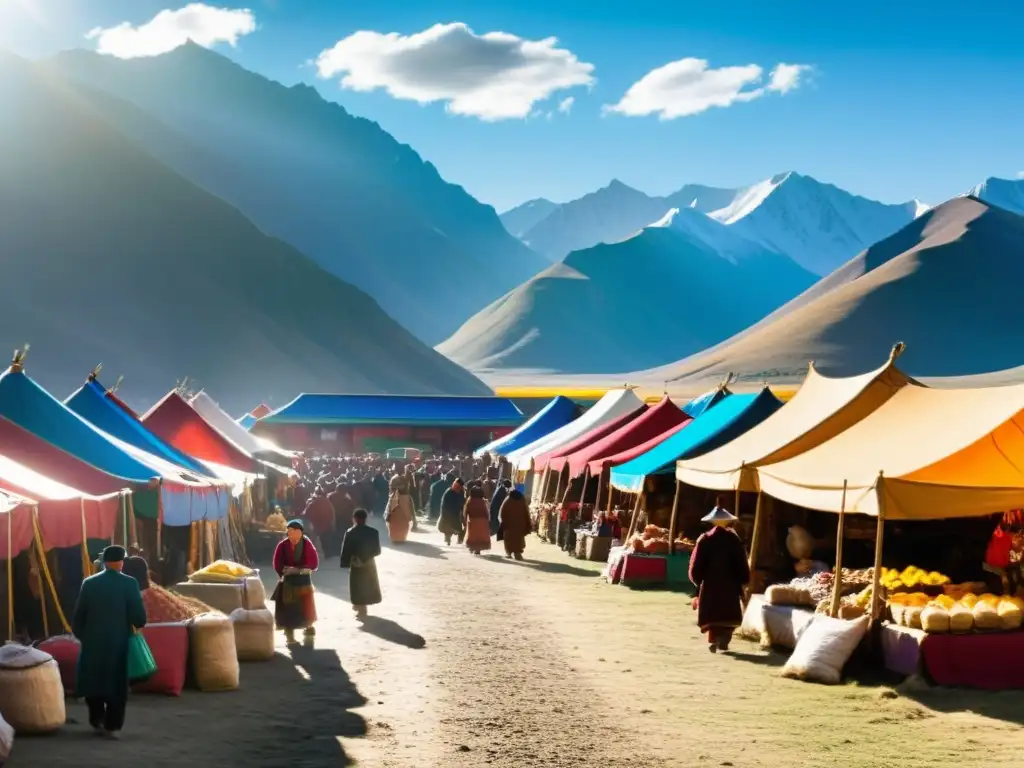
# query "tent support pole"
(736, 508)
(876, 581)
(558, 489)
(600, 487)
(755, 536)
(636, 515)
(10, 574)
(583, 491)
(837, 581)
(675, 516)
(543, 486)
(131, 518)
(86, 562)
(44, 572)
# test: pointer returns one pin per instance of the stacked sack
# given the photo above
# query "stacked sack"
(214, 657)
(944, 613)
(31, 690)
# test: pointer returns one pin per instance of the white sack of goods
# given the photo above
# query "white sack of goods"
(254, 595)
(824, 648)
(960, 618)
(31, 691)
(214, 658)
(254, 634)
(935, 619)
(986, 616)
(6, 741)
(1009, 611)
(787, 594)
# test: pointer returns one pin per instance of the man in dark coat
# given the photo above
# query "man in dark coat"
(719, 570)
(437, 489)
(358, 551)
(108, 611)
(499, 496)
(453, 503)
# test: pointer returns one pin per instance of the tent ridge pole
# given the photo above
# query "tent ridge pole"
(837, 581)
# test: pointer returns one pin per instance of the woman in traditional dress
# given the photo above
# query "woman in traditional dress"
(719, 570)
(477, 519)
(295, 560)
(401, 513)
(514, 524)
(453, 502)
(358, 550)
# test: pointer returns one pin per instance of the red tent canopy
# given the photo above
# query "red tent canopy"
(663, 416)
(260, 411)
(120, 404)
(549, 459)
(598, 465)
(179, 424)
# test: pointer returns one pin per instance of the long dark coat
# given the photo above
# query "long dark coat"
(496, 501)
(358, 551)
(452, 504)
(437, 489)
(718, 568)
(515, 522)
(109, 606)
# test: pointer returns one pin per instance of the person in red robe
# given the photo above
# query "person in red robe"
(320, 514)
(719, 570)
(295, 560)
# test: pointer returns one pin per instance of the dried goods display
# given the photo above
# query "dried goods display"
(163, 606)
(912, 579)
(944, 613)
(654, 540)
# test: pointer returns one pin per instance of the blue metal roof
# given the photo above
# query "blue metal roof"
(555, 414)
(421, 410)
(729, 418)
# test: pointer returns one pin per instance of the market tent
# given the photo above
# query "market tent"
(651, 424)
(15, 529)
(556, 460)
(715, 427)
(614, 404)
(260, 411)
(183, 496)
(821, 409)
(627, 455)
(698, 405)
(924, 454)
(180, 424)
(64, 513)
(217, 418)
(554, 415)
(247, 421)
(91, 403)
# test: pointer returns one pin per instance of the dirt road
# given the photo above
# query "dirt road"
(476, 661)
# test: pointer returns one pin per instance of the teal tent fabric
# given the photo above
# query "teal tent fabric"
(247, 421)
(554, 415)
(728, 419)
(32, 408)
(398, 409)
(91, 403)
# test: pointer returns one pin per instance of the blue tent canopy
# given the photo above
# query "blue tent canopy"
(728, 419)
(555, 414)
(398, 409)
(91, 403)
(31, 407)
(698, 405)
(247, 421)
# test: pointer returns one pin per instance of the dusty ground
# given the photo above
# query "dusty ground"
(481, 661)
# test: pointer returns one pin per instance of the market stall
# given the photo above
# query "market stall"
(924, 459)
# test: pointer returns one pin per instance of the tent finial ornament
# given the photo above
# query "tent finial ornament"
(18, 362)
(95, 372)
(116, 384)
(897, 349)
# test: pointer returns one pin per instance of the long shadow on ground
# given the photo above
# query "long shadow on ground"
(392, 631)
(563, 568)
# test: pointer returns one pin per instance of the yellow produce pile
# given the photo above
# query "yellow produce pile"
(911, 578)
(276, 522)
(221, 572)
(945, 613)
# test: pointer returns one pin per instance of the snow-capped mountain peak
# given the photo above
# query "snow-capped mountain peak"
(1008, 194)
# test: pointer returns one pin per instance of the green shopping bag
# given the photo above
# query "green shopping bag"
(141, 664)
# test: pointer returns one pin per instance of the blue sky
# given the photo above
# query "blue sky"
(910, 99)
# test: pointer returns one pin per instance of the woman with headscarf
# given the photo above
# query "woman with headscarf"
(514, 524)
(401, 512)
(453, 502)
(358, 550)
(719, 570)
(477, 521)
(295, 560)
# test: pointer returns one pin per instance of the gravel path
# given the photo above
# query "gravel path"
(476, 661)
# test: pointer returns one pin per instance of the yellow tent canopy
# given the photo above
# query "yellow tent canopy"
(924, 454)
(822, 408)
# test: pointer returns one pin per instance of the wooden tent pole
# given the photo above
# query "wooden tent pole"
(583, 491)
(876, 580)
(544, 486)
(86, 562)
(558, 488)
(736, 508)
(672, 520)
(45, 573)
(837, 581)
(636, 516)
(600, 487)
(39, 572)
(755, 536)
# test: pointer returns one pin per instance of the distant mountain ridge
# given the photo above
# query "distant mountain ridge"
(676, 287)
(819, 225)
(111, 256)
(338, 187)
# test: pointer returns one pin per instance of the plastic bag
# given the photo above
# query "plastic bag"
(141, 664)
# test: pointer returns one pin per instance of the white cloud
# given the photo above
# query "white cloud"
(495, 76)
(1020, 174)
(689, 87)
(203, 24)
(565, 105)
(786, 77)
